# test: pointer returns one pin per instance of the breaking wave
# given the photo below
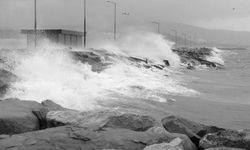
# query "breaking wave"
(50, 72)
(216, 56)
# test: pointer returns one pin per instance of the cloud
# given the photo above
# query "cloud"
(69, 13)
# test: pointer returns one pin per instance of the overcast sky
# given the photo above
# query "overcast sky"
(214, 14)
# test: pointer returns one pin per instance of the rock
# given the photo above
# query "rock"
(193, 130)
(196, 56)
(75, 138)
(224, 148)
(51, 106)
(101, 119)
(227, 138)
(18, 116)
(6, 78)
(176, 144)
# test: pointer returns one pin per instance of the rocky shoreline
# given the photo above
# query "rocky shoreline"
(29, 125)
(32, 125)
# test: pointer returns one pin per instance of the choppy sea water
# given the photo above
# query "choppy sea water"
(224, 98)
(216, 97)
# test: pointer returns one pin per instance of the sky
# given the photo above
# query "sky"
(212, 14)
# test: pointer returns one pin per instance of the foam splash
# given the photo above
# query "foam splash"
(216, 56)
(48, 73)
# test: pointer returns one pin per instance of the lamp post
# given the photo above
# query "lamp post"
(35, 24)
(158, 25)
(114, 3)
(176, 44)
(85, 24)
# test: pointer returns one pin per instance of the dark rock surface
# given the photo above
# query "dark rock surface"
(17, 116)
(75, 138)
(196, 56)
(176, 144)
(52, 106)
(195, 131)
(102, 119)
(227, 138)
(225, 148)
(6, 78)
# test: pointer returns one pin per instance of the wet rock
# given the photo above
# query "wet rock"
(52, 106)
(224, 148)
(17, 116)
(196, 56)
(90, 58)
(75, 138)
(176, 144)
(102, 119)
(227, 138)
(6, 78)
(195, 131)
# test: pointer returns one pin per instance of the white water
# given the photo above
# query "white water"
(48, 73)
(216, 56)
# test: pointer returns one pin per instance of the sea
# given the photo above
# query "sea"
(219, 97)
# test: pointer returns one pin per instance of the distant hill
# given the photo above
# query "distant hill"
(196, 36)
(202, 36)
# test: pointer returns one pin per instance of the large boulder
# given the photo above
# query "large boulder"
(100, 119)
(52, 106)
(195, 131)
(176, 144)
(225, 148)
(17, 116)
(227, 138)
(75, 138)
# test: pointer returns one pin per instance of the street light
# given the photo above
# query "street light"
(176, 44)
(35, 24)
(158, 25)
(114, 3)
(126, 13)
(85, 24)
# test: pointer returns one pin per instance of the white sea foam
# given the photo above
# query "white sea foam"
(48, 73)
(216, 56)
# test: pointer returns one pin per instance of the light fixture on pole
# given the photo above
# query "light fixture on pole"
(158, 25)
(114, 3)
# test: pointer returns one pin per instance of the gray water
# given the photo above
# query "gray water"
(225, 94)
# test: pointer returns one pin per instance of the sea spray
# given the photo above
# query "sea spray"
(49, 72)
(143, 44)
(216, 56)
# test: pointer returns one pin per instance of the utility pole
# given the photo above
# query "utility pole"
(176, 44)
(85, 25)
(114, 3)
(35, 24)
(158, 25)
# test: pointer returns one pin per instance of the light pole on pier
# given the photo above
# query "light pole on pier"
(35, 24)
(158, 25)
(85, 24)
(175, 31)
(114, 3)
